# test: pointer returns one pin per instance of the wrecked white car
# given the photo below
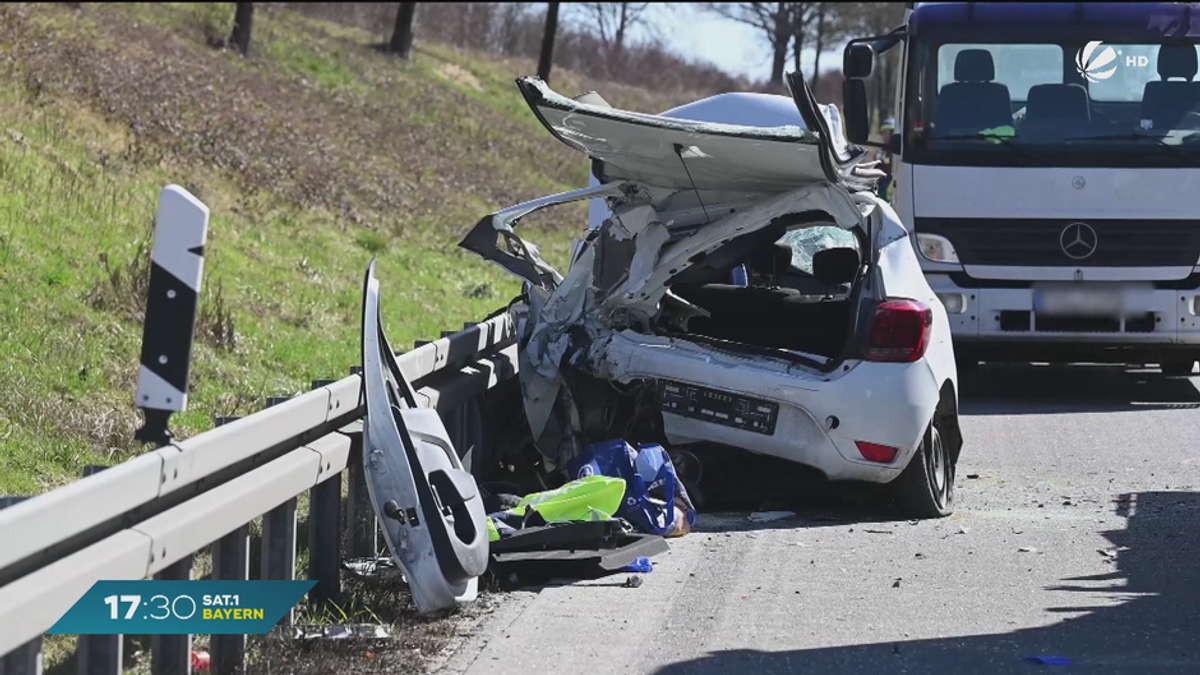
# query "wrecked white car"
(747, 289)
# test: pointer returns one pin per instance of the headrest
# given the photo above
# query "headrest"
(772, 259)
(1177, 61)
(974, 65)
(1057, 101)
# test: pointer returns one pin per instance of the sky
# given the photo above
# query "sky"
(734, 47)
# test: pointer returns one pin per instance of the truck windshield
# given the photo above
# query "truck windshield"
(1085, 104)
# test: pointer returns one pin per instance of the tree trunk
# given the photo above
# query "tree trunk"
(243, 20)
(780, 45)
(820, 41)
(547, 57)
(402, 33)
(619, 39)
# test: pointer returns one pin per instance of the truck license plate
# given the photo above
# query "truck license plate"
(1091, 300)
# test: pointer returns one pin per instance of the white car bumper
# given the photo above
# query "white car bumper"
(819, 417)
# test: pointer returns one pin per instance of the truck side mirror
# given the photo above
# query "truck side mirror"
(854, 100)
(858, 61)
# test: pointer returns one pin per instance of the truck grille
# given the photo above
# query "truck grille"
(1036, 242)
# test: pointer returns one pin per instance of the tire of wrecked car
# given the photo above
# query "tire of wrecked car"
(925, 489)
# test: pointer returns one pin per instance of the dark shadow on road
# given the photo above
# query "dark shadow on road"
(1032, 390)
(1156, 566)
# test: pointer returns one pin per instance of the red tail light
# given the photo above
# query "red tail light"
(900, 332)
(876, 452)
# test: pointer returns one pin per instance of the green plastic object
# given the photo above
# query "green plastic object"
(590, 498)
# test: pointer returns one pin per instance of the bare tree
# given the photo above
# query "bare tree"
(612, 22)
(402, 32)
(243, 20)
(547, 56)
(774, 19)
(802, 15)
(820, 35)
(876, 18)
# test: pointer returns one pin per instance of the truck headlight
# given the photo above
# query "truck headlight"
(936, 248)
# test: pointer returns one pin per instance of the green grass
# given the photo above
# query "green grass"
(282, 280)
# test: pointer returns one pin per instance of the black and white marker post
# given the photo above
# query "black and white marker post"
(177, 264)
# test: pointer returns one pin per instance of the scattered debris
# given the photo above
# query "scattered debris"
(360, 631)
(1048, 660)
(963, 529)
(633, 581)
(1108, 553)
(577, 550)
(1027, 549)
(770, 516)
(378, 569)
(878, 531)
(972, 476)
(896, 583)
(641, 564)
(655, 500)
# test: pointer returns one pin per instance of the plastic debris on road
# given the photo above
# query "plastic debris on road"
(360, 631)
(770, 516)
(642, 564)
(1049, 660)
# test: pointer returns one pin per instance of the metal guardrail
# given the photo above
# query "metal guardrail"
(141, 517)
(149, 515)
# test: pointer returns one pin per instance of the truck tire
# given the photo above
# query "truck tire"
(925, 489)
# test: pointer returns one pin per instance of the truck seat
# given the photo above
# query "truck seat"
(1057, 103)
(1165, 102)
(1056, 109)
(973, 102)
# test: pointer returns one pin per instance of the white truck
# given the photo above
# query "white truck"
(1047, 158)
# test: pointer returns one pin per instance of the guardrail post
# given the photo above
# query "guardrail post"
(325, 541)
(231, 562)
(358, 514)
(172, 654)
(278, 560)
(24, 660)
(100, 654)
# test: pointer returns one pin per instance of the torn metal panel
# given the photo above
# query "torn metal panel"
(519, 256)
(429, 508)
(645, 293)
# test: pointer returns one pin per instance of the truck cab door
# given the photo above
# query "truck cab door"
(430, 509)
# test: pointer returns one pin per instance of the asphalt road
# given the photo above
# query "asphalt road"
(1077, 535)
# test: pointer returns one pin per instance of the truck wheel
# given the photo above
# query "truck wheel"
(925, 489)
(1177, 368)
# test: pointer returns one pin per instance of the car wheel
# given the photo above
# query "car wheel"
(925, 489)
(1177, 368)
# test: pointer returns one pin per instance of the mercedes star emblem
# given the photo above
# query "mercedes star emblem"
(1078, 241)
(1077, 182)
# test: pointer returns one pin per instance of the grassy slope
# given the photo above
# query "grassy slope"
(314, 155)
